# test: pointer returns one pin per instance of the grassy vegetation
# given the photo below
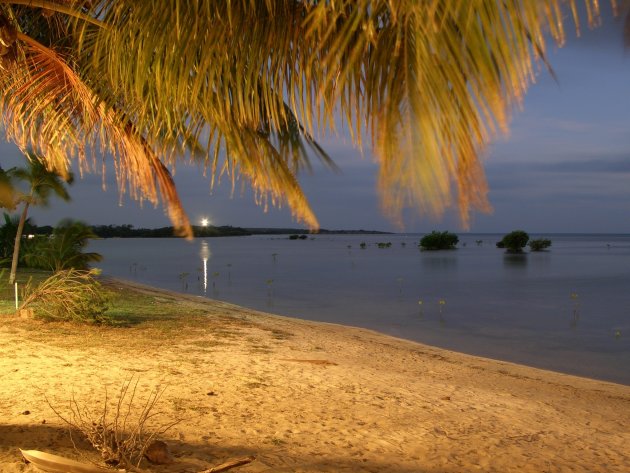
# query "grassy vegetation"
(126, 307)
(144, 319)
(24, 277)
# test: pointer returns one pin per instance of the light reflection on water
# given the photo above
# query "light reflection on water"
(567, 309)
(205, 255)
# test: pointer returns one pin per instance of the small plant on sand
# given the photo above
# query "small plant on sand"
(439, 241)
(124, 429)
(67, 295)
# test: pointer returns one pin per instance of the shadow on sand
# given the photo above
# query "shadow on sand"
(190, 457)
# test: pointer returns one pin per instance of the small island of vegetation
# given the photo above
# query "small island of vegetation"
(514, 242)
(539, 244)
(439, 241)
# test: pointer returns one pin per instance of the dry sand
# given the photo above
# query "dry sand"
(308, 397)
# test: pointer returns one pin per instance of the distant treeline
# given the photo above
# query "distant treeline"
(128, 231)
(301, 231)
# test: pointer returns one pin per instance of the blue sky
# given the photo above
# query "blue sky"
(565, 166)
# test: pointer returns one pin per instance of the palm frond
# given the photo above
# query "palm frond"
(429, 83)
(42, 182)
(47, 107)
(72, 8)
(432, 82)
(7, 191)
(226, 94)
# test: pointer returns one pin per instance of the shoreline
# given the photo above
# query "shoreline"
(308, 396)
(202, 299)
(521, 311)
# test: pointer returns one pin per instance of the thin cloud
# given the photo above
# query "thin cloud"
(616, 164)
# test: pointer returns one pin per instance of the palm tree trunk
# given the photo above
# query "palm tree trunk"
(16, 246)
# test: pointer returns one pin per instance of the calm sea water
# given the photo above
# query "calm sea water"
(567, 309)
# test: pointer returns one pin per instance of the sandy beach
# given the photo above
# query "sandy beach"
(305, 397)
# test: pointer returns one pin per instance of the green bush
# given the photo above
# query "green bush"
(514, 242)
(439, 241)
(70, 295)
(7, 238)
(64, 249)
(539, 244)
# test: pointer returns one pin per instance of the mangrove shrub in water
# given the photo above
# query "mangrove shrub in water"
(539, 244)
(439, 241)
(514, 242)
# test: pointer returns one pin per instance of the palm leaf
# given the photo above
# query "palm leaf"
(430, 83)
(7, 191)
(47, 107)
(42, 183)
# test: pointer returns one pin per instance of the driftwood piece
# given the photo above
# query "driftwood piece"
(230, 464)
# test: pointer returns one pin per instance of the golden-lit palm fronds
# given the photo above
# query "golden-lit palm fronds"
(230, 94)
(246, 83)
(48, 108)
(432, 81)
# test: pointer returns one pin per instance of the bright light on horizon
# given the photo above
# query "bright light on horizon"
(205, 221)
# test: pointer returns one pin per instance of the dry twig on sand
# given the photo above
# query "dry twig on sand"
(121, 434)
(229, 465)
